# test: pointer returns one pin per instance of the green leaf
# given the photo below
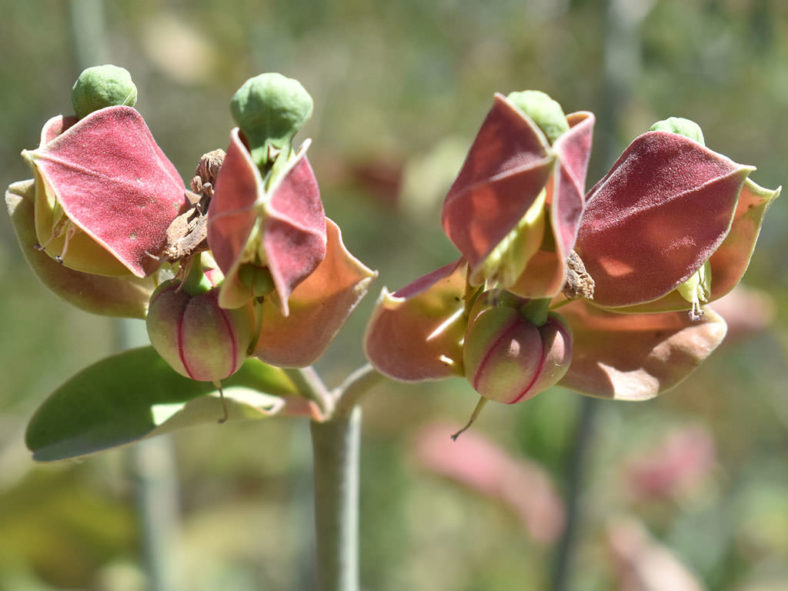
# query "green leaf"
(134, 395)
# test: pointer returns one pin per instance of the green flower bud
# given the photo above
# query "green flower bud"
(102, 86)
(544, 111)
(193, 334)
(270, 109)
(507, 356)
(680, 126)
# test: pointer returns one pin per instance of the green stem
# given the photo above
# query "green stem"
(357, 384)
(310, 386)
(336, 452)
(581, 444)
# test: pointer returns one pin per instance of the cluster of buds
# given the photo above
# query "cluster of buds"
(246, 264)
(604, 292)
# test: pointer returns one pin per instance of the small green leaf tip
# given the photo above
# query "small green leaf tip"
(680, 126)
(102, 86)
(543, 110)
(270, 109)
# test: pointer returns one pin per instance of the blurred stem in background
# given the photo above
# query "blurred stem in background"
(151, 463)
(622, 66)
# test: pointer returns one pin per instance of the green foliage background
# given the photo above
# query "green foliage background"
(400, 89)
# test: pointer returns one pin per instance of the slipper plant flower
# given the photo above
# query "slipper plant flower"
(670, 228)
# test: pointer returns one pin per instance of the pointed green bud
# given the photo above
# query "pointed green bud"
(680, 126)
(102, 86)
(270, 109)
(697, 290)
(544, 111)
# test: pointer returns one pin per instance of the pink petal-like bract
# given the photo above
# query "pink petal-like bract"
(319, 306)
(113, 182)
(545, 274)
(636, 356)
(662, 210)
(506, 168)
(293, 221)
(416, 332)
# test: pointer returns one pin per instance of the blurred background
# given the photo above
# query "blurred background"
(685, 492)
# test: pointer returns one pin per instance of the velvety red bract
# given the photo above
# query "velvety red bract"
(113, 182)
(293, 233)
(506, 168)
(662, 210)
(319, 307)
(546, 271)
(416, 333)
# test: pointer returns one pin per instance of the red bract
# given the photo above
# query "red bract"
(106, 175)
(509, 164)
(663, 209)
(282, 227)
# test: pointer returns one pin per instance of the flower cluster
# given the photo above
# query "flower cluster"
(255, 268)
(604, 292)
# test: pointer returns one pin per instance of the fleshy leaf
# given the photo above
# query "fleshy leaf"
(113, 182)
(545, 274)
(319, 307)
(416, 332)
(662, 210)
(506, 168)
(134, 395)
(293, 223)
(636, 356)
(110, 296)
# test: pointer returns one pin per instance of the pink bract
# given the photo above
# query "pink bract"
(663, 209)
(291, 218)
(112, 181)
(507, 167)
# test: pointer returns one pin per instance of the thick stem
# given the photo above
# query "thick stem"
(581, 444)
(310, 386)
(357, 384)
(335, 447)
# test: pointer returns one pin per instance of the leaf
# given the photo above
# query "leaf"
(135, 394)
(110, 296)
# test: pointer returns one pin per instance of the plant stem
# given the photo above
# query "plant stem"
(336, 454)
(310, 386)
(355, 386)
(581, 444)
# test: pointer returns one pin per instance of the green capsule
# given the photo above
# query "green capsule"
(270, 109)
(543, 110)
(680, 126)
(102, 86)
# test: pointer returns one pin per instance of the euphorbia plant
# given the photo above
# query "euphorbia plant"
(244, 282)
